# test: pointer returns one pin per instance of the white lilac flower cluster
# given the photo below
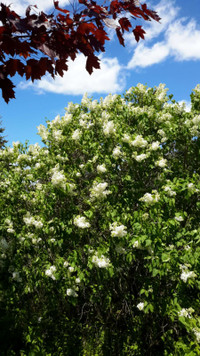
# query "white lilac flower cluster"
(32, 221)
(116, 152)
(99, 190)
(118, 230)
(81, 222)
(197, 334)
(9, 224)
(186, 274)
(186, 312)
(161, 92)
(71, 292)
(139, 142)
(50, 272)
(43, 132)
(58, 178)
(169, 191)
(179, 218)
(109, 128)
(150, 198)
(101, 168)
(101, 262)
(155, 145)
(16, 276)
(76, 135)
(109, 99)
(161, 163)
(140, 158)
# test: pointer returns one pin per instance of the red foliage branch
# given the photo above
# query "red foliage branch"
(39, 43)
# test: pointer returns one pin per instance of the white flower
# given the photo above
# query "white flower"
(10, 230)
(81, 222)
(140, 306)
(185, 275)
(126, 138)
(118, 230)
(145, 216)
(142, 88)
(140, 158)
(39, 186)
(57, 135)
(43, 132)
(99, 190)
(38, 165)
(169, 191)
(38, 224)
(197, 334)
(76, 134)
(139, 142)
(155, 145)
(116, 152)
(185, 312)
(179, 218)
(136, 244)
(196, 119)
(161, 133)
(190, 186)
(71, 293)
(28, 219)
(109, 128)
(77, 280)
(57, 177)
(71, 269)
(16, 276)
(50, 272)
(161, 163)
(66, 264)
(101, 262)
(67, 118)
(85, 100)
(149, 198)
(101, 168)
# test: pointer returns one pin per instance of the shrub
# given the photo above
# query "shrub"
(100, 235)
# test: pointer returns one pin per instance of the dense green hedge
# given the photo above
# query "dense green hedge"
(100, 233)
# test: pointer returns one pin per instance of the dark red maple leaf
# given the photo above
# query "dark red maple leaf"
(39, 43)
(92, 62)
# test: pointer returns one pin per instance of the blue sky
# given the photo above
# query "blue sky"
(170, 54)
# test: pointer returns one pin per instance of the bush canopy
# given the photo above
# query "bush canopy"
(100, 234)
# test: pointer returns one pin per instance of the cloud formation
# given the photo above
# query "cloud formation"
(77, 81)
(177, 38)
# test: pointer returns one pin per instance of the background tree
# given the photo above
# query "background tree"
(3, 141)
(39, 43)
(99, 231)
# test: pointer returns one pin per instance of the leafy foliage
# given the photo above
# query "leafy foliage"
(100, 236)
(39, 43)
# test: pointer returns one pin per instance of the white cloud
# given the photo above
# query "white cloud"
(77, 81)
(168, 12)
(146, 56)
(184, 40)
(181, 39)
(19, 6)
